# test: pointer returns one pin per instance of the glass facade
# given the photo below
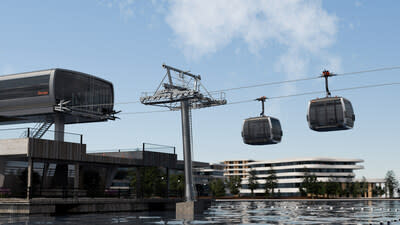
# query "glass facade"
(24, 87)
(86, 93)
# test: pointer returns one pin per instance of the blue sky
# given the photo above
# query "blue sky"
(230, 43)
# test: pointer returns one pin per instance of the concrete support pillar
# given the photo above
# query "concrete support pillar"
(43, 183)
(29, 179)
(138, 185)
(59, 125)
(187, 150)
(76, 180)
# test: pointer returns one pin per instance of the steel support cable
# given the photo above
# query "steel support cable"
(319, 92)
(369, 71)
(279, 97)
(307, 78)
(290, 95)
(260, 85)
(266, 84)
(145, 112)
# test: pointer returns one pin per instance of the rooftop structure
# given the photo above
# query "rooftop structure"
(54, 96)
(38, 96)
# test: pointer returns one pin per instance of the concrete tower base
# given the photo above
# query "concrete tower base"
(188, 210)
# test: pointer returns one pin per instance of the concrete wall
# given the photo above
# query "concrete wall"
(136, 158)
(14, 146)
(47, 149)
(66, 151)
(87, 205)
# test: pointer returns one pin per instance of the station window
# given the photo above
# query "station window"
(24, 87)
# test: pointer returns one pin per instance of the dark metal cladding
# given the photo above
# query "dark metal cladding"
(263, 130)
(330, 114)
(32, 97)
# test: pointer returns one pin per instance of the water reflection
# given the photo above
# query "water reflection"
(243, 212)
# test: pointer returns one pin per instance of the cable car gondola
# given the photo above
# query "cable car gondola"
(330, 113)
(262, 130)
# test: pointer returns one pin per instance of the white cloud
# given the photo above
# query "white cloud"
(237, 51)
(205, 26)
(334, 62)
(126, 7)
(303, 29)
(293, 63)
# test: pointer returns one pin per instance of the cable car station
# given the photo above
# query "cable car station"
(32, 166)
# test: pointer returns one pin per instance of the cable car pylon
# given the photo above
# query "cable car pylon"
(182, 90)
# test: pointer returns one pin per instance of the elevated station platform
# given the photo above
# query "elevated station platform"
(83, 205)
(38, 168)
(40, 149)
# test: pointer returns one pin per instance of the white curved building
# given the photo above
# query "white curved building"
(290, 173)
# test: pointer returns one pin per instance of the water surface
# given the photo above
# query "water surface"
(242, 212)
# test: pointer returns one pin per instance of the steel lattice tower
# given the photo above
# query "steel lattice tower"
(181, 90)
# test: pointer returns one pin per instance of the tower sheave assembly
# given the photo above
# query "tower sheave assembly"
(55, 96)
(181, 90)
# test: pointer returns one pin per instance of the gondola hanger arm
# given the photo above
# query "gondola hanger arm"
(262, 100)
(326, 74)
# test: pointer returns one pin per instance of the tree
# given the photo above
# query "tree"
(391, 183)
(152, 181)
(177, 184)
(320, 188)
(347, 189)
(252, 181)
(234, 183)
(377, 191)
(355, 189)
(364, 187)
(332, 188)
(217, 187)
(271, 182)
(309, 185)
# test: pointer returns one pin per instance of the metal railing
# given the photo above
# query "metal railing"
(69, 192)
(25, 132)
(145, 147)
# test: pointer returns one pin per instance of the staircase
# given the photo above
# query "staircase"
(38, 131)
